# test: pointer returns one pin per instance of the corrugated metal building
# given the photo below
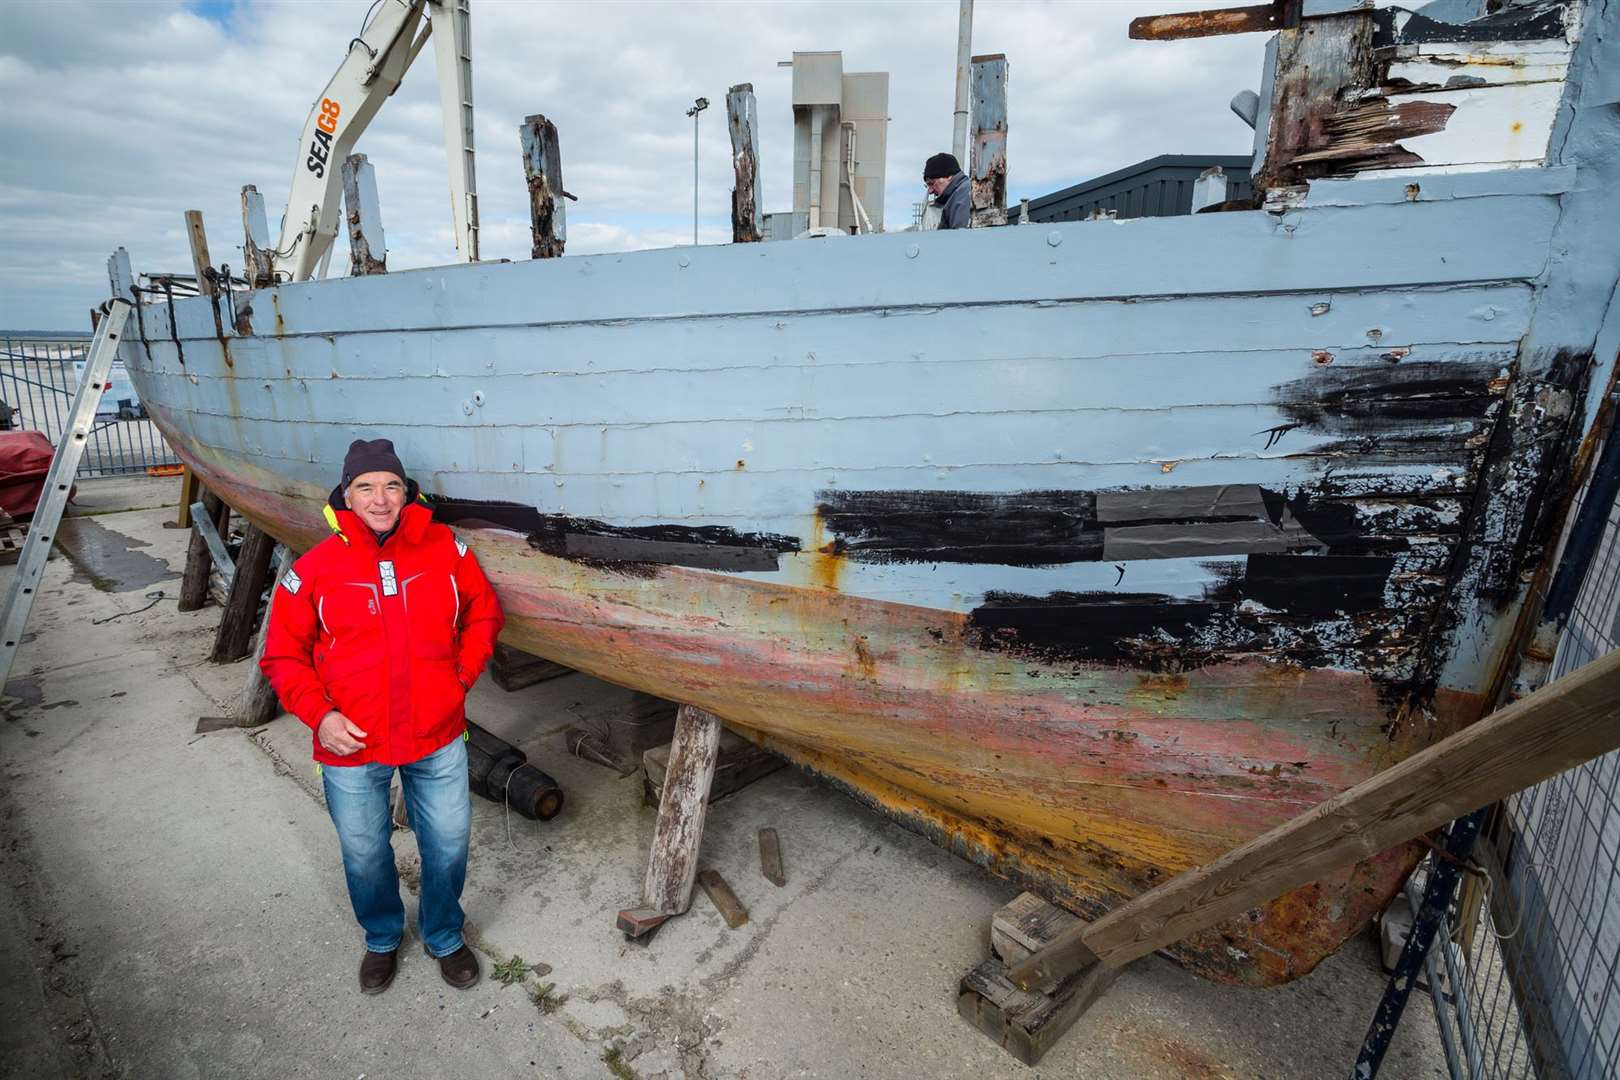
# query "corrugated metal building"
(1158, 187)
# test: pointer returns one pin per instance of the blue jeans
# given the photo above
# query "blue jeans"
(440, 808)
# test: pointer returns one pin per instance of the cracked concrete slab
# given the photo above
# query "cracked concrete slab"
(184, 893)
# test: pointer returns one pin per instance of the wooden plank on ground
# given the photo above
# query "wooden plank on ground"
(672, 865)
(719, 892)
(639, 921)
(770, 857)
(257, 703)
(739, 764)
(1559, 726)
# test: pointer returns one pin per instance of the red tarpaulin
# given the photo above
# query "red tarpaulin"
(25, 458)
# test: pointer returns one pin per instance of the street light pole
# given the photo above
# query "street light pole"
(697, 106)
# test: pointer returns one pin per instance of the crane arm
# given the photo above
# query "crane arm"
(370, 72)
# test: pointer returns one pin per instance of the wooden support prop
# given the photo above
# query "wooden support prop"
(513, 669)
(672, 866)
(199, 557)
(720, 894)
(747, 213)
(188, 495)
(256, 247)
(770, 857)
(542, 166)
(234, 639)
(257, 703)
(368, 254)
(738, 764)
(200, 262)
(1559, 726)
(988, 163)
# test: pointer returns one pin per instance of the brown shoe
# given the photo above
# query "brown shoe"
(460, 968)
(377, 971)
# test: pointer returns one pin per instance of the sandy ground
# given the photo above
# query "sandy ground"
(176, 907)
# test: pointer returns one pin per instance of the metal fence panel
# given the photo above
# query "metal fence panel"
(38, 377)
(1526, 987)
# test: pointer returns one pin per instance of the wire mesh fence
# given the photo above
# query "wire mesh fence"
(1524, 977)
(39, 375)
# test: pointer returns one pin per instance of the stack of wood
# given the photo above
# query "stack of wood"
(1026, 1023)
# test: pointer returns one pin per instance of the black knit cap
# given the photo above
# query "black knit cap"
(374, 456)
(941, 165)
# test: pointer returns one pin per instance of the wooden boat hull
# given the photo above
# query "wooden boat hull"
(1089, 551)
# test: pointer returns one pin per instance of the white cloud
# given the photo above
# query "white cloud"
(120, 116)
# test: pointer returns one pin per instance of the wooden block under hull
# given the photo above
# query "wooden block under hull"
(740, 764)
(513, 669)
(1027, 1024)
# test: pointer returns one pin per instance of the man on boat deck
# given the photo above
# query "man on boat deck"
(945, 181)
(375, 636)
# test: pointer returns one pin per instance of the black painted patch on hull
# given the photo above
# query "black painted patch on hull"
(1310, 610)
(627, 548)
(1051, 528)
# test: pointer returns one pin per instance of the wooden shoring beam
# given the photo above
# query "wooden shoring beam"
(368, 253)
(672, 866)
(200, 555)
(234, 638)
(1559, 726)
(256, 704)
(542, 168)
(742, 116)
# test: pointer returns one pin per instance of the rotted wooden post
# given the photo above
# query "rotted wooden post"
(988, 170)
(194, 583)
(363, 213)
(742, 115)
(542, 166)
(236, 624)
(200, 263)
(672, 867)
(255, 240)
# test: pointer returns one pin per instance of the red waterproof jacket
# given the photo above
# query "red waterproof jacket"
(392, 636)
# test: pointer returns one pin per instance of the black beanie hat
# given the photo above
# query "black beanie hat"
(941, 165)
(374, 456)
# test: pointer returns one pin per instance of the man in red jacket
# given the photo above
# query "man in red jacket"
(376, 634)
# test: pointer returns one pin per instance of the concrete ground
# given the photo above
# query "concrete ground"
(176, 907)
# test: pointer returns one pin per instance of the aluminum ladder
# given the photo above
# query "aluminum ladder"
(58, 482)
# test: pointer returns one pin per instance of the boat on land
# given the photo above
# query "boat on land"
(1088, 550)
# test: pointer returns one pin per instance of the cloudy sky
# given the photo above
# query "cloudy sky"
(121, 114)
